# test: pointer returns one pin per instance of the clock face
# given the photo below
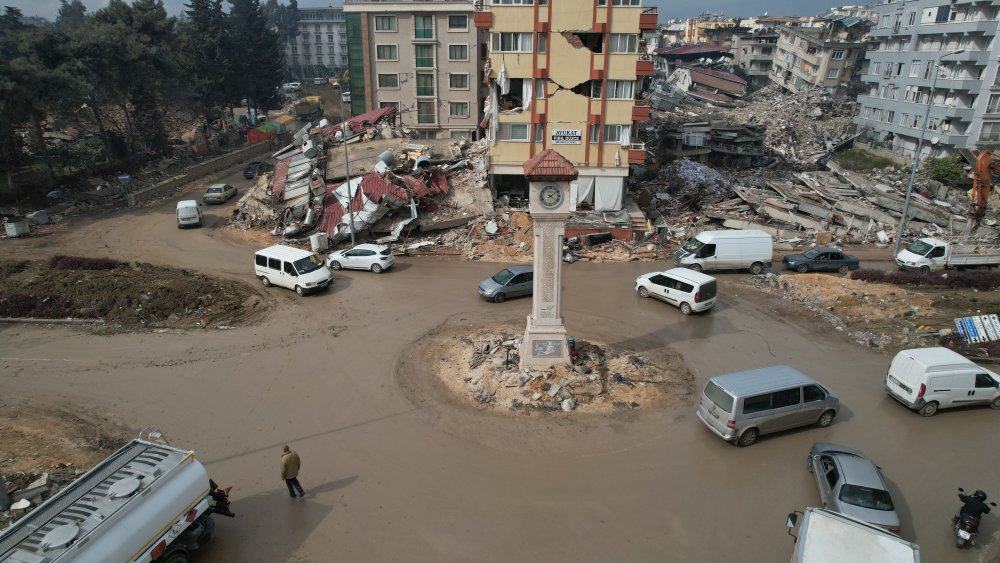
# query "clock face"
(550, 196)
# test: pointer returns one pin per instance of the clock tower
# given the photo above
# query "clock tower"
(548, 175)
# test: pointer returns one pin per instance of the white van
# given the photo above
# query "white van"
(690, 291)
(297, 269)
(188, 214)
(727, 250)
(928, 379)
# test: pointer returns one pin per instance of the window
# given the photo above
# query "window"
(289, 269)
(425, 112)
(623, 43)
(719, 396)
(459, 135)
(833, 73)
(542, 42)
(885, 22)
(876, 68)
(994, 104)
(425, 84)
(517, 2)
(513, 132)
(423, 27)
(319, 38)
(910, 18)
(539, 132)
(620, 89)
(383, 105)
(385, 23)
(813, 393)
(984, 381)
(274, 263)
(510, 42)
(612, 133)
(458, 81)
(914, 69)
(388, 81)
(386, 53)
(786, 398)
(595, 89)
(260, 260)
(830, 470)
(866, 497)
(458, 109)
(329, 38)
(759, 403)
(458, 52)
(424, 55)
(990, 132)
(458, 23)
(837, 54)
(540, 88)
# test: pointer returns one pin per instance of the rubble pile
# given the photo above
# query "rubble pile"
(802, 128)
(27, 490)
(599, 379)
(691, 185)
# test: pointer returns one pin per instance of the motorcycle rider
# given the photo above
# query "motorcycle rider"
(974, 505)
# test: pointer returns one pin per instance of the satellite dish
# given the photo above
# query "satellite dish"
(935, 140)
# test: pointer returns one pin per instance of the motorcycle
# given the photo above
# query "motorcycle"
(966, 527)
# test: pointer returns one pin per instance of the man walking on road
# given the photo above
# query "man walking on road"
(290, 471)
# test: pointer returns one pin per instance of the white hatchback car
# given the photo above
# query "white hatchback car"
(374, 257)
(689, 290)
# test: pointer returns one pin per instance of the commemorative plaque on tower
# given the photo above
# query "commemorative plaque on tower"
(548, 174)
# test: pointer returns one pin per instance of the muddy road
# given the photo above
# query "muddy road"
(395, 471)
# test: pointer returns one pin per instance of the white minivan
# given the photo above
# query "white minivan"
(188, 214)
(294, 268)
(727, 250)
(928, 379)
(690, 291)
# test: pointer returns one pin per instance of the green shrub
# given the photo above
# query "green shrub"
(947, 170)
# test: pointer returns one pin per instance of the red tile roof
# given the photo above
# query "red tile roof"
(549, 165)
(361, 122)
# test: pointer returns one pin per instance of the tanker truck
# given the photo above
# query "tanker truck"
(146, 502)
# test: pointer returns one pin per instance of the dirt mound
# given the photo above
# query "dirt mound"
(126, 297)
(882, 316)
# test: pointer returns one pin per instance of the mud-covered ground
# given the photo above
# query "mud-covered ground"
(128, 296)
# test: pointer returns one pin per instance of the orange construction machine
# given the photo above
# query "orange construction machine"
(987, 164)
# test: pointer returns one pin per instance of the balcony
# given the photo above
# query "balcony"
(423, 34)
(640, 111)
(644, 66)
(973, 26)
(483, 20)
(637, 153)
(425, 91)
(648, 18)
(425, 62)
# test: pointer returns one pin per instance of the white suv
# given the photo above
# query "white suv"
(689, 290)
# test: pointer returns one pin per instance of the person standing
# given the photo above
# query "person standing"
(290, 471)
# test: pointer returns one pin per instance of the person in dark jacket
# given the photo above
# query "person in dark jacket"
(975, 505)
(290, 471)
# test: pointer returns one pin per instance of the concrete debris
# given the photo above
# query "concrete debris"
(26, 490)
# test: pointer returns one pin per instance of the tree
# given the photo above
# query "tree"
(204, 57)
(257, 55)
(72, 13)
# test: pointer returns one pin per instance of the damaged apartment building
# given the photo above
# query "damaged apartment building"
(563, 76)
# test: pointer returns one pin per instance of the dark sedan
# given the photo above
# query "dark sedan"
(821, 259)
(255, 169)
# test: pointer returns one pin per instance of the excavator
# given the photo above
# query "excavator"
(987, 164)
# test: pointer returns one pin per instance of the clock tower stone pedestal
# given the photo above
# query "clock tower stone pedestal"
(544, 342)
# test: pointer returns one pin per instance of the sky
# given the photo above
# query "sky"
(667, 8)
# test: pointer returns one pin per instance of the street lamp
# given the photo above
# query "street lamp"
(347, 168)
(916, 156)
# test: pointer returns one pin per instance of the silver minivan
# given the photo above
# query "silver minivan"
(741, 406)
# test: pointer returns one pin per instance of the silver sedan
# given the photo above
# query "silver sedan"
(851, 484)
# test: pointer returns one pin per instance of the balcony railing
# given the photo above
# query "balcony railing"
(423, 33)
(425, 62)
(425, 90)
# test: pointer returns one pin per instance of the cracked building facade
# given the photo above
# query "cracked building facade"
(563, 75)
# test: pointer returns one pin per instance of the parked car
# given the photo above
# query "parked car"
(346, 97)
(686, 289)
(374, 257)
(292, 86)
(319, 81)
(512, 281)
(928, 379)
(255, 169)
(851, 484)
(821, 259)
(218, 193)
